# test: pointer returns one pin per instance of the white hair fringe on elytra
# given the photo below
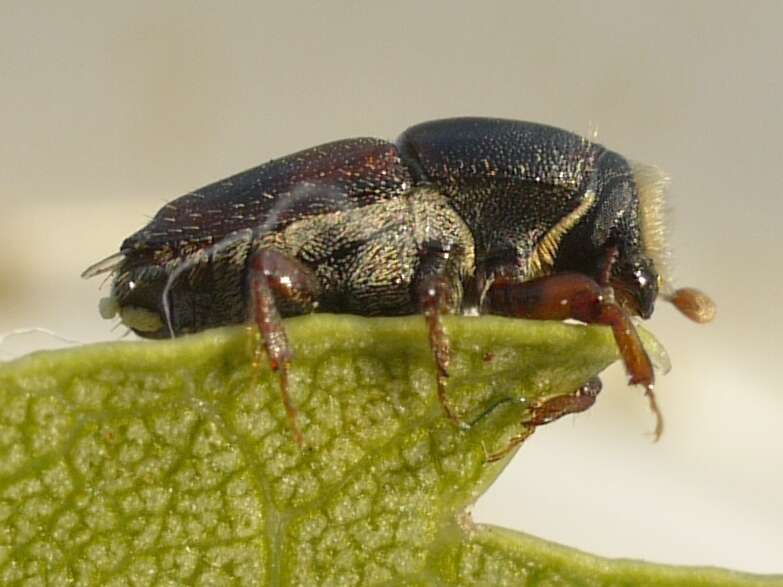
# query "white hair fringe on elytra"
(653, 184)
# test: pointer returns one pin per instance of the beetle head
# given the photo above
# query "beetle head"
(621, 241)
(632, 222)
(136, 298)
(642, 263)
(635, 281)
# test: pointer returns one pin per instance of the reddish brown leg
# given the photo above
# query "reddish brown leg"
(273, 274)
(550, 410)
(439, 292)
(556, 407)
(574, 295)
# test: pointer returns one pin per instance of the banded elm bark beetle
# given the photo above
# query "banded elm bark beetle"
(465, 215)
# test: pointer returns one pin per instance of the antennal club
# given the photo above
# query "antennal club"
(693, 303)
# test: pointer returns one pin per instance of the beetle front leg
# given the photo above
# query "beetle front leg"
(550, 410)
(439, 292)
(577, 296)
(274, 274)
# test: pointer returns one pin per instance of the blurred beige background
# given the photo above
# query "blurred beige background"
(107, 111)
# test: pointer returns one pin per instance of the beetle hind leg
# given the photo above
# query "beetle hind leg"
(273, 274)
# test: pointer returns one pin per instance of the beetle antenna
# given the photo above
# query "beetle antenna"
(692, 303)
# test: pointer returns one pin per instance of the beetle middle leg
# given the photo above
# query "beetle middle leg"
(550, 410)
(274, 274)
(574, 295)
(439, 292)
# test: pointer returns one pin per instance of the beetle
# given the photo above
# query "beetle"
(458, 216)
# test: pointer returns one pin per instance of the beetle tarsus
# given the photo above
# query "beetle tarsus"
(556, 407)
(290, 411)
(658, 431)
(550, 410)
(275, 274)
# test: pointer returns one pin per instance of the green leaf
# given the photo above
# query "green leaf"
(171, 462)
